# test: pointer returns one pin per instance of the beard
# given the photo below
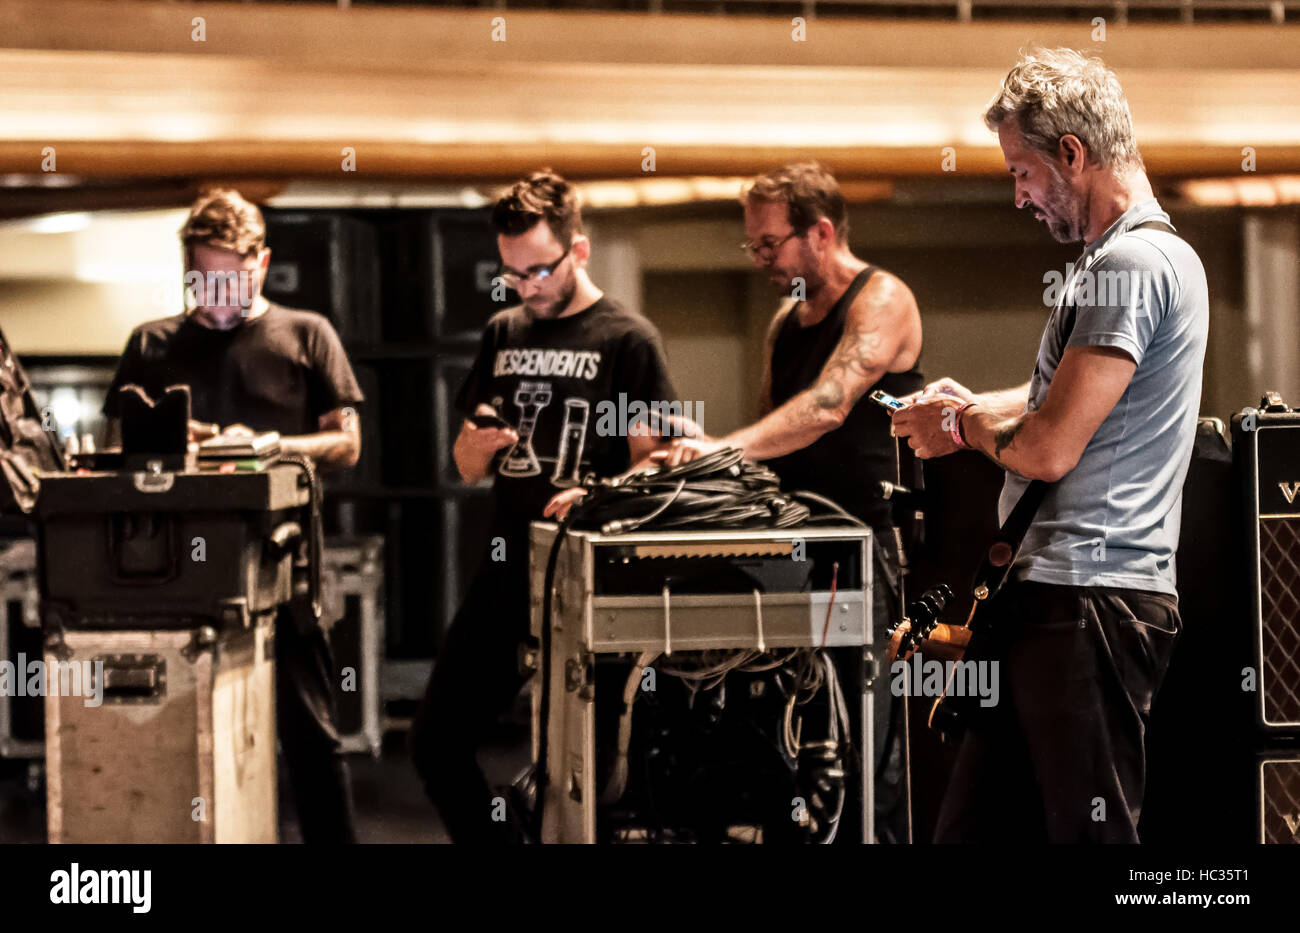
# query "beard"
(805, 267)
(551, 308)
(1060, 210)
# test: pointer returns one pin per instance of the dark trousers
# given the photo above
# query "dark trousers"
(474, 681)
(1060, 757)
(318, 773)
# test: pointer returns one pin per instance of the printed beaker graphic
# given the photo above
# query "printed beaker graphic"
(531, 397)
(572, 438)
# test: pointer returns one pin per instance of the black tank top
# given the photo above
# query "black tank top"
(846, 464)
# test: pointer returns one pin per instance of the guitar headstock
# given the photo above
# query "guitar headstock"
(923, 614)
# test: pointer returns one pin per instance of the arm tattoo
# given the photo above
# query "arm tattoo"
(828, 394)
(336, 445)
(844, 377)
(852, 362)
(330, 449)
(1006, 437)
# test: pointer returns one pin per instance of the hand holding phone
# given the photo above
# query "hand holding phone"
(885, 400)
(489, 421)
(479, 445)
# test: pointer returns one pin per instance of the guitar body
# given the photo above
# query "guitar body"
(952, 642)
(924, 630)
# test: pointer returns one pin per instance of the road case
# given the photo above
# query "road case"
(161, 736)
(22, 723)
(656, 595)
(353, 577)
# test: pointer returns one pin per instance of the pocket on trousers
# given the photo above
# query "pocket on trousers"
(1144, 631)
(1171, 626)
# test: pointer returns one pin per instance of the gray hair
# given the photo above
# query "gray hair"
(1055, 92)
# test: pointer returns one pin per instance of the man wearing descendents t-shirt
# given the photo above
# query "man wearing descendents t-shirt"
(554, 380)
(557, 369)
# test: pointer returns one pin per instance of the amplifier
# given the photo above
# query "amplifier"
(328, 262)
(1266, 445)
(1279, 797)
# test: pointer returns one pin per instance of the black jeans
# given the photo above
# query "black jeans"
(475, 679)
(318, 773)
(1060, 757)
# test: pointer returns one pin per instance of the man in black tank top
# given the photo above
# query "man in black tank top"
(846, 329)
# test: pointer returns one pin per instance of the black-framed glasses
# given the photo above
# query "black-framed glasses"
(768, 248)
(538, 274)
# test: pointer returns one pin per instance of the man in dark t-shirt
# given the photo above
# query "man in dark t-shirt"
(277, 370)
(556, 370)
(268, 368)
(553, 380)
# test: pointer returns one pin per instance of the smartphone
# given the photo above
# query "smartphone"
(886, 400)
(488, 421)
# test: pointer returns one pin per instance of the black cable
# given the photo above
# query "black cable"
(836, 512)
(315, 534)
(717, 490)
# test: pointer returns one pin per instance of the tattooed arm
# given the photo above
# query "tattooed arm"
(877, 328)
(1047, 443)
(336, 446)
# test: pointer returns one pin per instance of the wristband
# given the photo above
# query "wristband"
(958, 436)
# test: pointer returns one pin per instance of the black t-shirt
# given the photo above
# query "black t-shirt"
(568, 386)
(279, 371)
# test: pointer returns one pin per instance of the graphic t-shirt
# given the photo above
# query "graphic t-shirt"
(279, 371)
(570, 387)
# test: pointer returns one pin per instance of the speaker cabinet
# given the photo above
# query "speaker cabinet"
(1279, 797)
(1267, 448)
(327, 262)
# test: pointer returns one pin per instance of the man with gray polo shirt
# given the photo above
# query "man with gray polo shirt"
(1084, 629)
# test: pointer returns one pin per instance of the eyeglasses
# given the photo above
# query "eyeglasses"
(538, 274)
(768, 248)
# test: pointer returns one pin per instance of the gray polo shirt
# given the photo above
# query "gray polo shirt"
(1113, 520)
